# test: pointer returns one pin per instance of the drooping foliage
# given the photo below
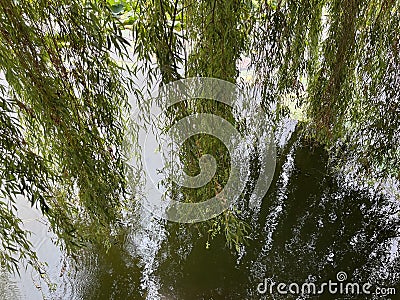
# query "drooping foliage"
(63, 95)
(337, 61)
(61, 121)
(197, 39)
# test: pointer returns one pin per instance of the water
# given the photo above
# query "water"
(312, 224)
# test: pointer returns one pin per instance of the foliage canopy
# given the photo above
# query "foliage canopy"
(64, 93)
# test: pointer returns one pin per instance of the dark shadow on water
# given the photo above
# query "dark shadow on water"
(309, 228)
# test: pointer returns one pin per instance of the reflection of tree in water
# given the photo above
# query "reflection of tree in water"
(324, 228)
(309, 227)
(337, 61)
(8, 287)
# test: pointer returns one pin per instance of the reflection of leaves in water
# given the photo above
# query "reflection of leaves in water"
(8, 287)
(296, 237)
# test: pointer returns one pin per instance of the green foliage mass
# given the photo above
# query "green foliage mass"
(62, 101)
(61, 122)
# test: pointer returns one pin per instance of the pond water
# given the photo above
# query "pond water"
(311, 225)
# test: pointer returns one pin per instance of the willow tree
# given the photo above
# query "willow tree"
(338, 61)
(196, 39)
(61, 105)
(63, 96)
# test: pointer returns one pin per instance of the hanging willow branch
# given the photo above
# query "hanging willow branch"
(344, 54)
(61, 121)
